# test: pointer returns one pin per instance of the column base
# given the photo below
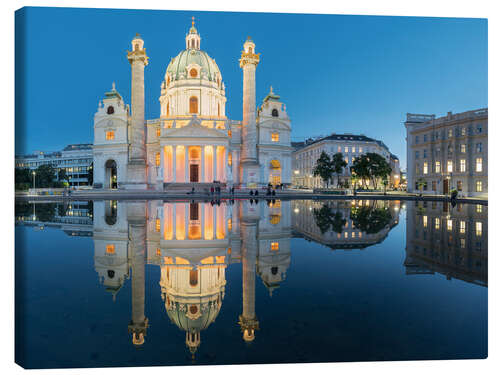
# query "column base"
(249, 174)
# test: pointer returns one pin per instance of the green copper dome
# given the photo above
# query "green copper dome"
(178, 316)
(179, 64)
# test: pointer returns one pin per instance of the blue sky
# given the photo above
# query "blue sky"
(358, 74)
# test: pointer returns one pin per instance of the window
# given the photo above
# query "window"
(193, 277)
(110, 135)
(426, 169)
(158, 159)
(450, 133)
(275, 137)
(462, 227)
(110, 249)
(275, 246)
(193, 104)
(346, 149)
(463, 131)
(425, 154)
(158, 132)
(462, 243)
(449, 167)
(229, 133)
(339, 149)
(157, 225)
(417, 154)
(479, 164)
(479, 186)
(434, 186)
(449, 224)
(459, 185)
(346, 160)
(360, 150)
(424, 221)
(275, 113)
(462, 165)
(230, 159)
(353, 149)
(479, 208)
(479, 128)
(462, 149)
(479, 228)
(425, 137)
(110, 110)
(193, 73)
(479, 147)
(416, 140)
(437, 223)
(438, 167)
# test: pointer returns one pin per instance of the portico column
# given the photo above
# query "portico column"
(161, 175)
(224, 165)
(202, 209)
(186, 164)
(174, 163)
(215, 162)
(202, 165)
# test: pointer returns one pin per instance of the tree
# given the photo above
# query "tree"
(324, 168)
(371, 166)
(325, 219)
(45, 176)
(360, 168)
(370, 220)
(23, 179)
(63, 177)
(338, 164)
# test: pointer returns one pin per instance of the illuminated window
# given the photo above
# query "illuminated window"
(438, 167)
(110, 135)
(168, 109)
(353, 149)
(353, 234)
(459, 185)
(462, 227)
(462, 149)
(158, 159)
(479, 186)
(110, 249)
(158, 251)
(346, 149)
(479, 164)
(157, 225)
(229, 224)
(424, 221)
(275, 246)
(193, 277)
(449, 224)
(275, 137)
(158, 132)
(339, 149)
(479, 228)
(462, 165)
(479, 208)
(462, 243)
(450, 133)
(360, 149)
(426, 168)
(193, 73)
(229, 133)
(437, 223)
(193, 104)
(230, 159)
(449, 167)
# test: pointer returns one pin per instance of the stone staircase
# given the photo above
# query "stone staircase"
(188, 186)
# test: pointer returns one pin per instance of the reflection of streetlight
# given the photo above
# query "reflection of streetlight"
(296, 171)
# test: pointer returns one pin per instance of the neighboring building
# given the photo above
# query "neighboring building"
(306, 154)
(449, 152)
(193, 141)
(452, 241)
(74, 159)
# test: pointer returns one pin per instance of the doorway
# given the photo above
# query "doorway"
(194, 171)
(111, 178)
(446, 186)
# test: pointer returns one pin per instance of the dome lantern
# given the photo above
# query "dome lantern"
(193, 38)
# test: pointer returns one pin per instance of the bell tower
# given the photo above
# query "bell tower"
(249, 161)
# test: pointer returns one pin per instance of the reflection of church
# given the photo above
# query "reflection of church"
(193, 243)
(452, 241)
(193, 141)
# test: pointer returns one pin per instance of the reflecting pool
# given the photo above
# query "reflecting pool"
(138, 283)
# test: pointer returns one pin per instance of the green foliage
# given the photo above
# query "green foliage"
(371, 166)
(23, 176)
(369, 219)
(420, 184)
(45, 176)
(338, 164)
(325, 219)
(324, 168)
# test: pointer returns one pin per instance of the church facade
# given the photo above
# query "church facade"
(193, 141)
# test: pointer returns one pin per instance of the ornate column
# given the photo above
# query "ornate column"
(174, 163)
(224, 165)
(214, 159)
(202, 174)
(186, 164)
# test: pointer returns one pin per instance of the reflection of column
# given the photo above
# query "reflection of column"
(202, 209)
(248, 320)
(224, 165)
(139, 323)
(174, 163)
(202, 165)
(214, 159)
(163, 167)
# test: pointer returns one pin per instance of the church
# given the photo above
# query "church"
(193, 143)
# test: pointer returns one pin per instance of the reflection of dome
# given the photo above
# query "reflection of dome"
(194, 316)
(187, 57)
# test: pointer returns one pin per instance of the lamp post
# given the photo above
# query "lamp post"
(34, 180)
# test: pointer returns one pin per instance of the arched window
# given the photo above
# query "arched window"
(193, 277)
(158, 159)
(274, 270)
(250, 50)
(136, 47)
(110, 110)
(193, 73)
(111, 274)
(193, 104)
(274, 113)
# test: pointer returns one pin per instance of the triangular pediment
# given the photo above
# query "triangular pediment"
(196, 130)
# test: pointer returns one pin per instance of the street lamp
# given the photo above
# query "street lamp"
(34, 187)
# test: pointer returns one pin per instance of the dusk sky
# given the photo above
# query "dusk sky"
(342, 74)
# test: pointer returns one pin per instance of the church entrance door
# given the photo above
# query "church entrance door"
(111, 178)
(194, 173)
